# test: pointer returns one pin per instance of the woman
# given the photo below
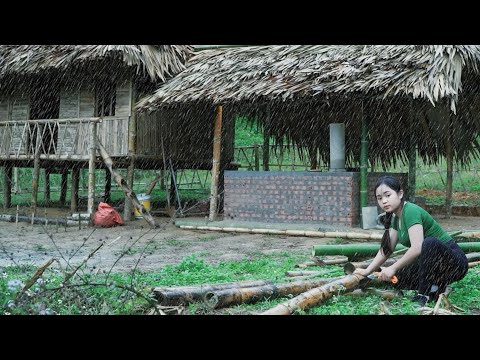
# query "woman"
(433, 259)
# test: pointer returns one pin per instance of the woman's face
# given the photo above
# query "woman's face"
(389, 200)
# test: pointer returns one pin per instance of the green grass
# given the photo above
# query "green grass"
(109, 296)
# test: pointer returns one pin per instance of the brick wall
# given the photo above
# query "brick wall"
(294, 197)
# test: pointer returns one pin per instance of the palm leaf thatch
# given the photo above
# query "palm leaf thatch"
(158, 62)
(295, 91)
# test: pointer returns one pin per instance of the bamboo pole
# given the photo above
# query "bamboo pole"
(364, 164)
(91, 170)
(217, 137)
(108, 187)
(350, 250)
(74, 189)
(353, 250)
(126, 189)
(36, 170)
(227, 297)
(316, 295)
(449, 158)
(64, 186)
(302, 273)
(183, 295)
(350, 267)
(334, 260)
(132, 143)
(46, 185)
(266, 140)
(307, 233)
(7, 186)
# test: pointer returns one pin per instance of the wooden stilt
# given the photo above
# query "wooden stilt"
(108, 186)
(7, 187)
(46, 185)
(91, 169)
(36, 170)
(64, 187)
(74, 189)
(217, 137)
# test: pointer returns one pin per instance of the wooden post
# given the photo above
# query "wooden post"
(312, 151)
(16, 187)
(7, 186)
(64, 186)
(257, 155)
(36, 169)
(74, 189)
(132, 139)
(108, 186)
(217, 137)
(412, 163)
(46, 185)
(91, 169)
(364, 164)
(266, 140)
(449, 157)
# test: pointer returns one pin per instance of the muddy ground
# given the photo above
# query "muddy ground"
(150, 249)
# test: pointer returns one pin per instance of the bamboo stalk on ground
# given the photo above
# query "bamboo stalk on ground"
(350, 267)
(473, 256)
(316, 295)
(332, 260)
(387, 294)
(182, 295)
(123, 184)
(301, 273)
(354, 250)
(227, 297)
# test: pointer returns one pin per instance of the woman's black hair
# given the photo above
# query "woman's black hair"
(396, 186)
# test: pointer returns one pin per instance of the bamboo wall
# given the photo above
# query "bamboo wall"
(73, 138)
(186, 138)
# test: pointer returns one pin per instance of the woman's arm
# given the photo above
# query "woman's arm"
(380, 258)
(415, 232)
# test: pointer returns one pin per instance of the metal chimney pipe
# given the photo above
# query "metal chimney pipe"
(337, 147)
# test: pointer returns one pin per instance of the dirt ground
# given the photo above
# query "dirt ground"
(150, 249)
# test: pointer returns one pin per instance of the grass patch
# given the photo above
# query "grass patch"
(93, 294)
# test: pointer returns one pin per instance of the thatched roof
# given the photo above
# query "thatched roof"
(295, 91)
(284, 72)
(158, 62)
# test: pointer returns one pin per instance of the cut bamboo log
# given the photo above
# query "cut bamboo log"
(227, 297)
(350, 267)
(332, 260)
(387, 294)
(183, 295)
(126, 189)
(316, 295)
(301, 273)
(473, 263)
(359, 250)
(473, 256)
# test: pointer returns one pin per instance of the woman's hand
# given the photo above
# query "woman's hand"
(387, 273)
(362, 272)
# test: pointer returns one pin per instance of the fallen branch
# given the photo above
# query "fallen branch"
(126, 189)
(38, 273)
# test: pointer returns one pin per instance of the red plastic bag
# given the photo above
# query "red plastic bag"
(106, 216)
